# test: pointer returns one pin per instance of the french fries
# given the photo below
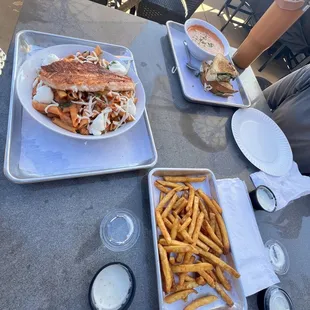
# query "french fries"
(191, 267)
(172, 260)
(212, 234)
(162, 227)
(210, 243)
(162, 203)
(203, 246)
(201, 281)
(222, 278)
(199, 302)
(185, 224)
(193, 236)
(212, 221)
(224, 234)
(219, 209)
(186, 285)
(192, 259)
(180, 257)
(218, 232)
(189, 279)
(168, 184)
(177, 248)
(179, 295)
(217, 261)
(161, 187)
(169, 207)
(184, 179)
(194, 217)
(165, 268)
(212, 274)
(197, 228)
(187, 260)
(173, 242)
(179, 202)
(174, 229)
(207, 278)
(190, 198)
(208, 202)
(203, 209)
(180, 207)
(224, 296)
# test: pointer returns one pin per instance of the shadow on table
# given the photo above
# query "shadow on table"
(206, 127)
(289, 223)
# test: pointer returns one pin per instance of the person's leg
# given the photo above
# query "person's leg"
(287, 87)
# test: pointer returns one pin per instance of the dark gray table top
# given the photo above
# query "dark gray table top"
(49, 232)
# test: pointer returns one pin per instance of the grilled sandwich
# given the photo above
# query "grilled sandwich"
(219, 88)
(221, 70)
(222, 89)
(89, 77)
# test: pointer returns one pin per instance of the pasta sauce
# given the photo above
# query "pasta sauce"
(206, 39)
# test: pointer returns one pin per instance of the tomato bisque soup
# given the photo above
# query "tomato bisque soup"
(206, 39)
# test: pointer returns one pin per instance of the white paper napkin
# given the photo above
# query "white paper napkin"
(247, 246)
(286, 188)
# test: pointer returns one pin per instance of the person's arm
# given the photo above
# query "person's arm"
(287, 87)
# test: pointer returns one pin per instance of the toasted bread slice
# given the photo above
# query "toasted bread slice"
(75, 76)
(221, 70)
(223, 89)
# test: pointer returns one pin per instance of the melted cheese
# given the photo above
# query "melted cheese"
(118, 68)
(44, 94)
(130, 107)
(100, 122)
(49, 59)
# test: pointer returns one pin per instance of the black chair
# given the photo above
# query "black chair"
(110, 3)
(293, 46)
(103, 2)
(161, 11)
(244, 7)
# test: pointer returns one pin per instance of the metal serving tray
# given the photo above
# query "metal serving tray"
(41, 153)
(210, 188)
(190, 84)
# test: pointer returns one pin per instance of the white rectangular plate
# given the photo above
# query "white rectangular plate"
(191, 85)
(209, 187)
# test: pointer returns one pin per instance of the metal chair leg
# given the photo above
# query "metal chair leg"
(233, 14)
(227, 2)
(275, 54)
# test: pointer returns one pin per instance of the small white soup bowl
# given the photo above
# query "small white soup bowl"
(197, 51)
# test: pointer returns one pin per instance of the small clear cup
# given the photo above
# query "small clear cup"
(119, 230)
(278, 256)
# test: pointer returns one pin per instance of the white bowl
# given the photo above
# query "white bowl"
(28, 73)
(197, 51)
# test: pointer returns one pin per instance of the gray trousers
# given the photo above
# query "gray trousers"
(289, 98)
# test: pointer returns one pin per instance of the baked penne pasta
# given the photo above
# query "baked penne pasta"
(74, 115)
(63, 125)
(77, 110)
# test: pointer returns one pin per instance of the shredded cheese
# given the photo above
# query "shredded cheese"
(54, 104)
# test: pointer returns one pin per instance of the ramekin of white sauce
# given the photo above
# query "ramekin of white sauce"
(274, 298)
(263, 199)
(112, 288)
